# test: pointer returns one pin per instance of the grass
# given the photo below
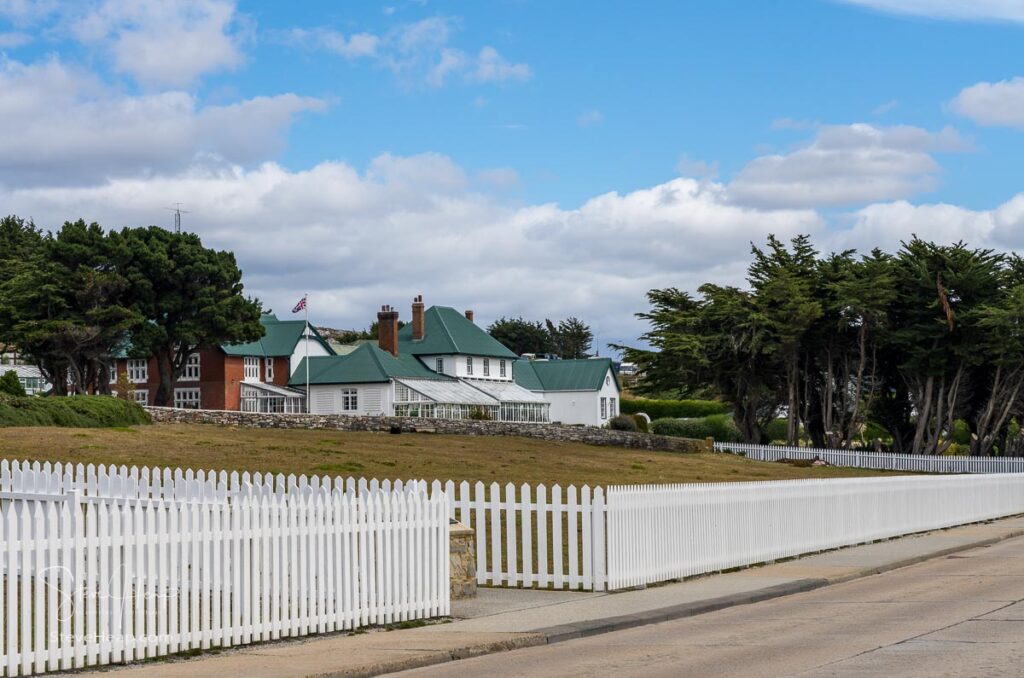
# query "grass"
(382, 455)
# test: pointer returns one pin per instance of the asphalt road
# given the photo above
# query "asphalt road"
(960, 615)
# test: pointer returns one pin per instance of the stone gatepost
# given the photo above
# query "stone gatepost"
(462, 552)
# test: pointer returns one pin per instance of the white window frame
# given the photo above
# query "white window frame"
(269, 368)
(469, 365)
(184, 397)
(349, 399)
(487, 367)
(138, 370)
(252, 368)
(501, 369)
(604, 407)
(113, 374)
(613, 407)
(439, 365)
(141, 396)
(192, 369)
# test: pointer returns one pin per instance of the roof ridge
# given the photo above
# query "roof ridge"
(447, 331)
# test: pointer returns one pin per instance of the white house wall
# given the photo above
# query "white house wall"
(583, 407)
(372, 399)
(315, 349)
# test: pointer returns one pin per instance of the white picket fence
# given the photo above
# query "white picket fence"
(881, 461)
(90, 580)
(525, 536)
(664, 532)
(532, 538)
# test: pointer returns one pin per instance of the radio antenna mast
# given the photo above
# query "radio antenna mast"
(177, 215)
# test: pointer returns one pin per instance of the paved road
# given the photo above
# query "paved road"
(961, 615)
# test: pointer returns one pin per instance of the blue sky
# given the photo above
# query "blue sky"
(517, 157)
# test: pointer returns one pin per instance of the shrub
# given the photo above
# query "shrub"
(622, 422)
(680, 409)
(78, 411)
(480, 414)
(777, 429)
(11, 385)
(718, 426)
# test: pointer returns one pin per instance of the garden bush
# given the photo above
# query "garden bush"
(11, 385)
(622, 422)
(717, 426)
(679, 409)
(78, 411)
(641, 423)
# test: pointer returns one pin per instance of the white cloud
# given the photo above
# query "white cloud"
(73, 129)
(847, 165)
(886, 225)
(13, 40)
(590, 118)
(490, 66)
(408, 225)
(888, 106)
(163, 42)
(353, 47)
(502, 178)
(993, 103)
(701, 169)
(967, 10)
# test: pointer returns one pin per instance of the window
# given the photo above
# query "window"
(142, 396)
(604, 408)
(138, 370)
(487, 367)
(252, 368)
(469, 365)
(501, 368)
(186, 398)
(113, 373)
(439, 365)
(270, 369)
(349, 400)
(191, 372)
(608, 380)
(612, 405)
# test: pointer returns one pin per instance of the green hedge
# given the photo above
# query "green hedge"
(678, 409)
(717, 426)
(79, 411)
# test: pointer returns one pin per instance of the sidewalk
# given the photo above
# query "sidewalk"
(500, 619)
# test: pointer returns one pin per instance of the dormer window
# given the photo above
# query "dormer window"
(469, 365)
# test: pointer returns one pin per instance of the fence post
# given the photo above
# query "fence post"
(598, 552)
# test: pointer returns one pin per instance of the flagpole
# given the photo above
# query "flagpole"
(305, 307)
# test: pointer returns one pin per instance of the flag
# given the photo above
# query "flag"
(299, 306)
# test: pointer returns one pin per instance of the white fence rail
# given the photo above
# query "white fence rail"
(89, 582)
(882, 461)
(659, 533)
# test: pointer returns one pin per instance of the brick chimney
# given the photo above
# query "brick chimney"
(469, 315)
(417, 318)
(387, 330)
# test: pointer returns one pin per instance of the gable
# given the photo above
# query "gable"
(279, 340)
(448, 332)
(587, 374)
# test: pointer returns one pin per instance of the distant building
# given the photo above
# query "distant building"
(442, 365)
(252, 377)
(30, 376)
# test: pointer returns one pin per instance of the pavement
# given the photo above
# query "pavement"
(509, 619)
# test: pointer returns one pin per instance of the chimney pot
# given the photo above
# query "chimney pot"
(417, 318)
(469, 315)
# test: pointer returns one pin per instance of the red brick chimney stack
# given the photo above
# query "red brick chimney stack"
(417, 318)
(387, 330)
(469, 316)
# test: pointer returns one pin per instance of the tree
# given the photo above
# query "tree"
(190, 296)
(570, 338)
(521, 336)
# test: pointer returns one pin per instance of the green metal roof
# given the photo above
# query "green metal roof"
(586, 374)
(367, 364)
(524, 375)
(280, 339)
(448, 332)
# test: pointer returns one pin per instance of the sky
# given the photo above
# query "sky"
(515, 157)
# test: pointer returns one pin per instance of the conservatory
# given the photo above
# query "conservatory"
(261, 397)
(461, 400)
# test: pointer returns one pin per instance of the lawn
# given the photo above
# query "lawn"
(382, 455)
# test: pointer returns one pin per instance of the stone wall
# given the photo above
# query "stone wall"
(344, 422)
(462, 554)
